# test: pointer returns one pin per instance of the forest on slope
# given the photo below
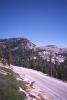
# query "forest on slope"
(25, 57)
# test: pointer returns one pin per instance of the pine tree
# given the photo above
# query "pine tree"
(9, 57)
(1, 55)
(50, 64)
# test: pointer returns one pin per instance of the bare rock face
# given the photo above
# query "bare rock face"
(54, 51)
(15, 43)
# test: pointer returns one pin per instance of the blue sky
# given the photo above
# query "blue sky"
(41, 21)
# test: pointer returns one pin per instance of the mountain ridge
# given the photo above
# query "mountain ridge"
(24, 45)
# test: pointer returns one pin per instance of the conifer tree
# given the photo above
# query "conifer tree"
(1, 54)
(9, 57)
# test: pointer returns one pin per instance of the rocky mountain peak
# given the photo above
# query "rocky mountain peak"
(17, 43)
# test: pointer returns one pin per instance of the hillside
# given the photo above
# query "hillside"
(9, 85)
(49, 59)
(23, 45)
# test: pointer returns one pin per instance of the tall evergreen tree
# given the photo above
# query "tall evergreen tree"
(9, 57)
(1, 55)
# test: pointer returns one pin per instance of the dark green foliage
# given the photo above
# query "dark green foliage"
(23, 57)
(9, 57)
(1, 54)
(9, 88)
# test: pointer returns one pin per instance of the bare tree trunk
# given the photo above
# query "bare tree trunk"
(9, 58)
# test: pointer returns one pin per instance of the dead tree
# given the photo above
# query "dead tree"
(9, 57)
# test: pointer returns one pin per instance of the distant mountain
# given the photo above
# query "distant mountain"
(53, 50)
(16, 43)
(24, 50)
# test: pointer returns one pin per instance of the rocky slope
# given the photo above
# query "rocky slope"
(16, 43)
(23, 47)
(54, 51)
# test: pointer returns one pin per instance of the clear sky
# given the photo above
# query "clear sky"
(41, 21)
